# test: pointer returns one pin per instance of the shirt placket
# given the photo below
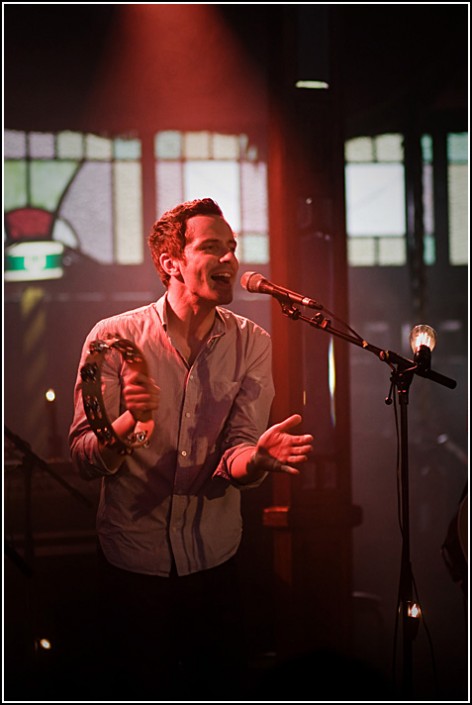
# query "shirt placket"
(185, 458)
(181, 542)
(188, 422)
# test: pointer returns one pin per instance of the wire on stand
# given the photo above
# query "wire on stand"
(403, 372)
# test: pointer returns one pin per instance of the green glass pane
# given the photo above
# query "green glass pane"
(14, 189)
(457, 148)
(127, 149)
(45, 262)
(427, 149)
(429, 250)
(168, 145)
(49, 179)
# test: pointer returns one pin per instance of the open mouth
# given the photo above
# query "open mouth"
(222, 278)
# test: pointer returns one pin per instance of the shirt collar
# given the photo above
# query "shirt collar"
(219, 326)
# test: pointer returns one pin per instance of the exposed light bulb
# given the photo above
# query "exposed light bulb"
(423, 341)
(42, 644)
(414, 610)
(422, 335)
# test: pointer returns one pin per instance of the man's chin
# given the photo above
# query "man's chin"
(223, 295)
(224, 300)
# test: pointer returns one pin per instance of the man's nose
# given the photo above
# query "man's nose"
(228, 256)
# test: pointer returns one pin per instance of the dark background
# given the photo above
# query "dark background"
(398, 68)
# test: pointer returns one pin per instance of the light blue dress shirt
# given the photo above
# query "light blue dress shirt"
(177, 497)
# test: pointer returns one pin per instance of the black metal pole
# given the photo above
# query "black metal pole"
(403, 381)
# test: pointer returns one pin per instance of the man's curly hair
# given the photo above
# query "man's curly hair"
(168, 233)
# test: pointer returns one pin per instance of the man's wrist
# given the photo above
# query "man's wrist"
(262, 462)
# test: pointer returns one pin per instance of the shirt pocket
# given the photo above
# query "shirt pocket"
(224, 391)
(215, 406)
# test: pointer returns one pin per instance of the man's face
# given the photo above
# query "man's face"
(209, 266)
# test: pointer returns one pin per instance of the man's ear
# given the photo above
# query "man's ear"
(170, 265)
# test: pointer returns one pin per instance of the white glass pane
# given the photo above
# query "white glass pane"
(41, 145)
(389, 148)
(87, 205)
(127, 212)
(254, 205)
(98, 147)
(225, 147)
(63, 232)
(360, 149)
(428, 199)
(253, 248)
(169, 186)
(375, 199)
(361, 252)
(197, 145)
(392, 251)
(70, 145)
(14, 146)
(218, 180)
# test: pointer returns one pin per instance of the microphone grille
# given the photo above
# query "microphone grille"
(245, 279)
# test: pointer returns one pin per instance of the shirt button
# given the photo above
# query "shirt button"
(187, 414)
(184, 453)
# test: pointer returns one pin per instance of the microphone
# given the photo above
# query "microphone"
(256, 283)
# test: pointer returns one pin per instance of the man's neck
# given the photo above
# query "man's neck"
(188, 320)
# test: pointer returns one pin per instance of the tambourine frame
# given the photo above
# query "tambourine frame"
(92, 396)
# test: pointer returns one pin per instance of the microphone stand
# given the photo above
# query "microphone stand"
(403, 371)
(29, 461)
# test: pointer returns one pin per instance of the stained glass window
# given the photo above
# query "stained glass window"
(375, 199)
(82, 190)
(85, 190)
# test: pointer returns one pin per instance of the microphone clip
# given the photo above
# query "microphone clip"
(289, 310)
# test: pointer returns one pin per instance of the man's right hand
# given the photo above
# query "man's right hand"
(141, 395)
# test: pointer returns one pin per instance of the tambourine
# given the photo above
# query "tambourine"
(92, 396)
